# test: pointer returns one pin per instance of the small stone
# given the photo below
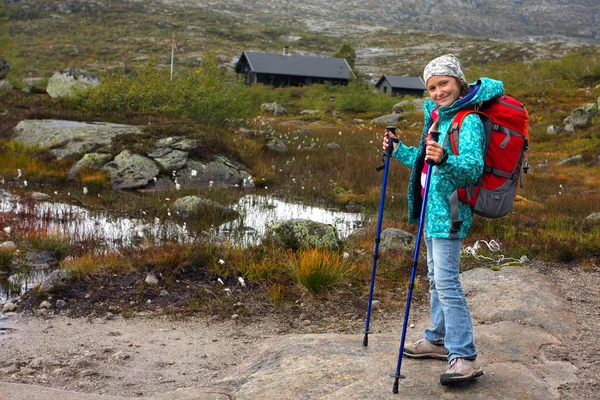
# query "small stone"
(151, 279)
(8, 307)
(164, 293)
(46, 304)
(306, 322)
(60, 303)
(234, 316)
(375, 304)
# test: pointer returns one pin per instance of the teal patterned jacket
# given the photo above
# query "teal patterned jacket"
(456, 171)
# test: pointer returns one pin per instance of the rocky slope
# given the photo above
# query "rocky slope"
(521, 19)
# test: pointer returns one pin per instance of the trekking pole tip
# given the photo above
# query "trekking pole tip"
(395, 388)
(366, 340)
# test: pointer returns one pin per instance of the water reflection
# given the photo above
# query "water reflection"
(257, 211)
(82, 225)
(111, 232)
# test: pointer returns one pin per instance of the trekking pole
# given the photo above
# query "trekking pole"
(386, 162)
(397, 375)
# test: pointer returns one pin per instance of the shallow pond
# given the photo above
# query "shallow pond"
(112, 232)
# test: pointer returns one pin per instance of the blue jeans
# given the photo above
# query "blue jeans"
(450, 315)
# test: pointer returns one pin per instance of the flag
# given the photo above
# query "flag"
(174, 43)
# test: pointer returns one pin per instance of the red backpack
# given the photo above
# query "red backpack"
(506, 123)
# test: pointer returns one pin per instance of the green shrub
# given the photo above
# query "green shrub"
(209, 94)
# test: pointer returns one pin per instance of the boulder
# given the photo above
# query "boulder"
(6, 85)
(333, 146)
(130, 171)
(408, 106)
(221, 172)
(277, 146)
(396, 240)
(593, 217)
(54, 281)
(302, 233)
(90, 160)
(582, 116)
(70, 139)
(274, 108)
(196, 206)
(66, 82)
(169, 159)
(4, 68)
(179, 143)
(390, 119)
(554, 130)
(304, 132)
(572, 161)
(40, 259)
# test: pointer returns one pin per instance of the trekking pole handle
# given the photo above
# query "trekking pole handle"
(435, 136)
(390, 148)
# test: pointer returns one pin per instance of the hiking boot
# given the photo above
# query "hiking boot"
(424, 349)
(460, 370)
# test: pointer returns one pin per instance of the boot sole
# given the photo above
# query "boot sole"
(427, 355)
(455, 379)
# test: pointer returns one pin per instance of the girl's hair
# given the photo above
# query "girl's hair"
(464, 87)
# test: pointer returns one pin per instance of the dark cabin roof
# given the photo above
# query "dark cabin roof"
(281, 64)
(403, 82)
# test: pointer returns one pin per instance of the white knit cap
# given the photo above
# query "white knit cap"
(447, 65)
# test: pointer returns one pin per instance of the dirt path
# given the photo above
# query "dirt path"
(145, 356)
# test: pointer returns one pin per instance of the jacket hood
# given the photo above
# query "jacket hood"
(482, 90)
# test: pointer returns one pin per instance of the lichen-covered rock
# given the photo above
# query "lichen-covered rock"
(408, 106)
(582, 116)
(221, 172)
(90, 160)
(274, 108)
(64, 83)
(6, 85)
(196, 206)
(277, 146)
(70, 139)
(169, 159)
(554, 130)
(302, 233)
(390, 119)
(397, 240)
(578, 159)
(130, 171)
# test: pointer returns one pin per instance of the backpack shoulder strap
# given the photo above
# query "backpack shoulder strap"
(457, 123)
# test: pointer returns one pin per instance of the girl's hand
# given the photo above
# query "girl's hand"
(433, 151)
(387, 140)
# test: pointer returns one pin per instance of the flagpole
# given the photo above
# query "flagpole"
(172, 54)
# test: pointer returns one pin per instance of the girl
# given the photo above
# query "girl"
(451, 335)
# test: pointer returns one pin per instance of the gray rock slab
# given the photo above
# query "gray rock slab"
(130, 171)
(518, 294)
(171, 160)
(220, 172)
(503, 342)
(17, 391)
(338, 367)
(70, 138)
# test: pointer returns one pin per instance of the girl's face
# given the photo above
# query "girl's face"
(444, 90)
